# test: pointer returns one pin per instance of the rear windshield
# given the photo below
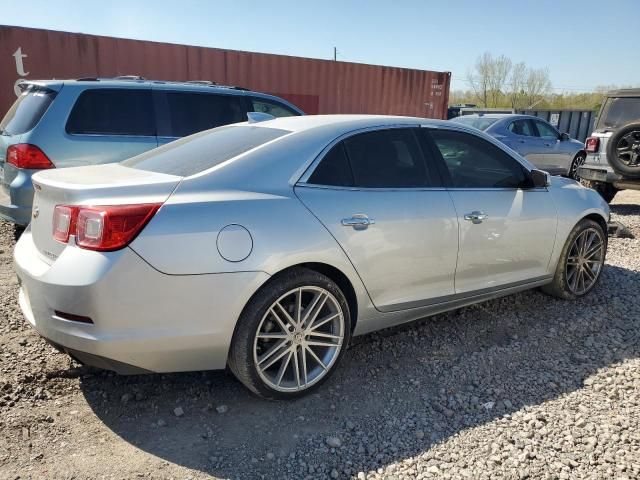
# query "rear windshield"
(26, 111)
(618, 112)
(481, 123)
(203, 150)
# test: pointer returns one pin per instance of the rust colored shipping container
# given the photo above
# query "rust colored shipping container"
(316, 86)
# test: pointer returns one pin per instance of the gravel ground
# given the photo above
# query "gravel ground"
(522, 387)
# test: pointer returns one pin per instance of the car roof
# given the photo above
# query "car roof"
(624, 92)
(500, 115)
(346, 122)
(125, 83)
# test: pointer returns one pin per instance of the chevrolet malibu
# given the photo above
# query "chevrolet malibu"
(266, 246)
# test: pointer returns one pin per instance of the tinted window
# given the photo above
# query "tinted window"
(619, 111)
(26, 111)
(546, 131)
(387, 158)
(481, 123)
(203, 150)
(272, 108)
(522, 127)
(475, 163)
(194, 112)
(113, 112)
(334, 169)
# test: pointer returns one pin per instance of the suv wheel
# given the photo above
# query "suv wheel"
(623, 150)
(606, 191)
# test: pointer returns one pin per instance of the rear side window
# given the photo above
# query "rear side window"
(387, 159)
(334, 169)
(522, 127)
(194, 112)
(272, 108)
(26, 111)
(113, 112)
(475, 163)
(203, 150)
(618, 112)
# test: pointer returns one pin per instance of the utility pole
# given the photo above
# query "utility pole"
(335, 54)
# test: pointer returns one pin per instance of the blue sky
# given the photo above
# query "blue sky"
(584, 43)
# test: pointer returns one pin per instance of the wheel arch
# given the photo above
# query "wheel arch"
(599, 219)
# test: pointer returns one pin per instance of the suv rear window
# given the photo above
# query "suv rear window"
(194, 112)
(105, 111)
(618, 112)
(26, 111)
(203, 150)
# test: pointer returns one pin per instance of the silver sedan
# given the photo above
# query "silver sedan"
(266, 246)
(533, 138)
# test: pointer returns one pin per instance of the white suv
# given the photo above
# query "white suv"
(613, 149)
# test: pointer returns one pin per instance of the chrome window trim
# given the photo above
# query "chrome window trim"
(369, 189)
(314, 163)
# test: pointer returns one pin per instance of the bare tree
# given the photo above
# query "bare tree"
(537, 86)
(499, 70)
(516, 84)
(479, 77)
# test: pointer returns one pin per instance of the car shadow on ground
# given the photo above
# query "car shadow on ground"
(398, 392)
(625, 209)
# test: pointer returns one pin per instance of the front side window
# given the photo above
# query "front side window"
(546, 131)
(194, 112)
(271, 108)
(473, 162)
(113, 112)
(522, 127)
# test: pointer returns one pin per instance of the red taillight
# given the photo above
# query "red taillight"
(25, 155)
(102, 228)
(592, 144)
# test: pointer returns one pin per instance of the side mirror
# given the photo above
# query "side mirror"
(540, 178)
(564, 137)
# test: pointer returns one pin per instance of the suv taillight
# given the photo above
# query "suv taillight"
(102, 228)
(592, 144)
(25, 155)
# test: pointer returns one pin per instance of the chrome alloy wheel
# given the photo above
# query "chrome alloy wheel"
(576, 164)
(585, 260)
(299, 339)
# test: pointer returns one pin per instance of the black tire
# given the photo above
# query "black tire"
(560, 287)
(623, 150)
(606, 190)
(241, 360)
(577, 162)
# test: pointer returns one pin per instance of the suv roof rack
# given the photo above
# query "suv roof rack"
(201, 82)
(129, 77)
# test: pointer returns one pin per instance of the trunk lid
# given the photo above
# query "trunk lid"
(111, 184)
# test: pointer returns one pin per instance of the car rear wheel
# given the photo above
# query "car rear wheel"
(581, 262)
(578, 161)
(291, 335)
(623, 150)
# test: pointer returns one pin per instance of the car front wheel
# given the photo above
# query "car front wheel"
(581, 262)
(291, 335)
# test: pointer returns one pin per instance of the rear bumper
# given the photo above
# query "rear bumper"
(16, 198)
(143, 320)
(598, 173)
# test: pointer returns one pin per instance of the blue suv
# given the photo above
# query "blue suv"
(67, 123)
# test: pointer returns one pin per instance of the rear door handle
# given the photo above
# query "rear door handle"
(476, 217)
(359, 221)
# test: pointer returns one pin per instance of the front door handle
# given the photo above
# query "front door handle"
(359, 221)
(476, 216)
